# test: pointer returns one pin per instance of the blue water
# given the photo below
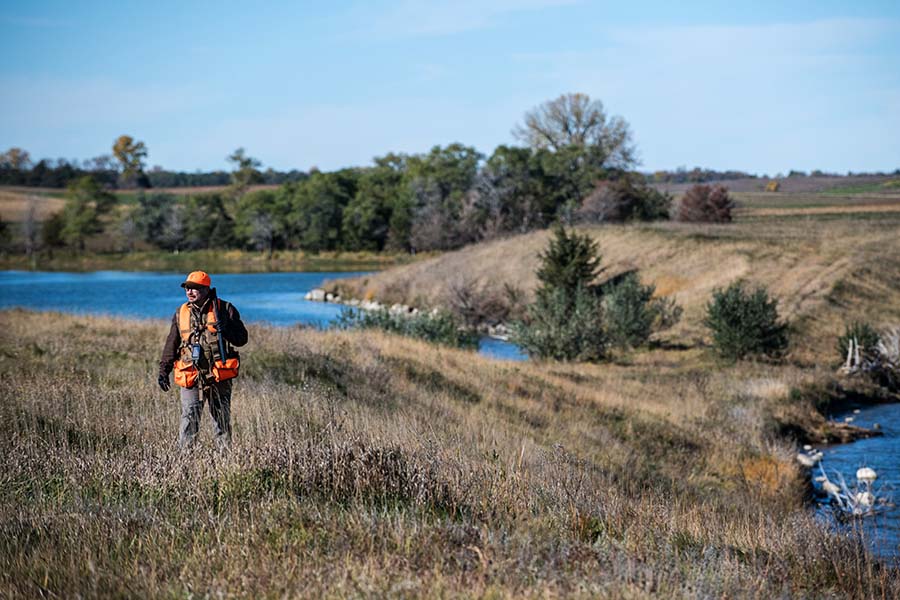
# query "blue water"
(882, 531)
(275, 298)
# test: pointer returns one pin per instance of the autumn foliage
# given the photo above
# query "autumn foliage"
(705, 204)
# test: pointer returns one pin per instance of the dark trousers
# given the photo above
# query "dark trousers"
(218, 397)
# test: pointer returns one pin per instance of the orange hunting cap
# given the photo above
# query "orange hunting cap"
(197, 279)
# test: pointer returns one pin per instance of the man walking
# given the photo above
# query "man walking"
(200, 349)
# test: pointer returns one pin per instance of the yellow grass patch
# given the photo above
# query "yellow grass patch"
(15, 204)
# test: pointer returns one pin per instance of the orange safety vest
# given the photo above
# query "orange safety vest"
(186, 372)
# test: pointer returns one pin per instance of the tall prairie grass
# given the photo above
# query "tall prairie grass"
(370, 465)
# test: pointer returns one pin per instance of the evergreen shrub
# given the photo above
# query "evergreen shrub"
(745, 322)
(632, 314)
(562, 325)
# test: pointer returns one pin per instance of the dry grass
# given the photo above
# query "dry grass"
(370, 465)
(825, 269)
(15, 202)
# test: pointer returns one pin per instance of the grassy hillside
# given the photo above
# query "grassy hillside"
(827, 265)
(367, 465)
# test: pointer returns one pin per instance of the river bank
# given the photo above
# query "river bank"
(881, 453)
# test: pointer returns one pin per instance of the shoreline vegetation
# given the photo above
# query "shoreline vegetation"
(214, 261)
(371, 464)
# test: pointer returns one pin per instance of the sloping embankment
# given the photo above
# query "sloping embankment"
(824, 272)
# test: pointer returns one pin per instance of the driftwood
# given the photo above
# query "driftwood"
(883, 362)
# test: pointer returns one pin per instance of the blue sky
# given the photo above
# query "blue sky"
(763, 87)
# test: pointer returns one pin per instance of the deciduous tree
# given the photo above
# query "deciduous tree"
(576, 120)
(245, 172)
(131, 154)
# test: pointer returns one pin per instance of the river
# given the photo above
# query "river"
(881, 531)
(274, 298)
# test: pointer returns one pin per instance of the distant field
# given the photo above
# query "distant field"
(14, 200)
(14, 203)
(793, 185)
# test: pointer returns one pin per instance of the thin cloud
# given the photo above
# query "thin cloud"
(423, 18)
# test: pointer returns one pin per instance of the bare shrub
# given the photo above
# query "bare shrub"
(705, 204)
(479, 303)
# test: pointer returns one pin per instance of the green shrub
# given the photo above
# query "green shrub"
(437, 328)
(563, 326)
(864, 334)
(745, 322)
(625, 199)
(631, 313)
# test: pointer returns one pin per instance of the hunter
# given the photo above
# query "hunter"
(200, 349)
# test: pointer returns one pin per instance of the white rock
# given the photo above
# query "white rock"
(806, 460)
(352, 302)
(329, 297)
(317, 295)
(848, 419)
(866, 474)
(307, 296)
(807, 447)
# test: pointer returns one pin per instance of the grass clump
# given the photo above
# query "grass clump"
(745, 322)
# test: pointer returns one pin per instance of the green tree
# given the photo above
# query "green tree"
(245, 172)
(367, 217)
(151, 216)
(259, 220)
(510, 194)
(570, 261)
(745, 322)
(131, 154)
(438, 184)
(624, 199)
(52, 232)
(207, 223)
(316, 208)
(86, 204)
(566, 320)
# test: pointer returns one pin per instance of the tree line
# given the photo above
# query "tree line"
(575, 165)
(122, 169)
